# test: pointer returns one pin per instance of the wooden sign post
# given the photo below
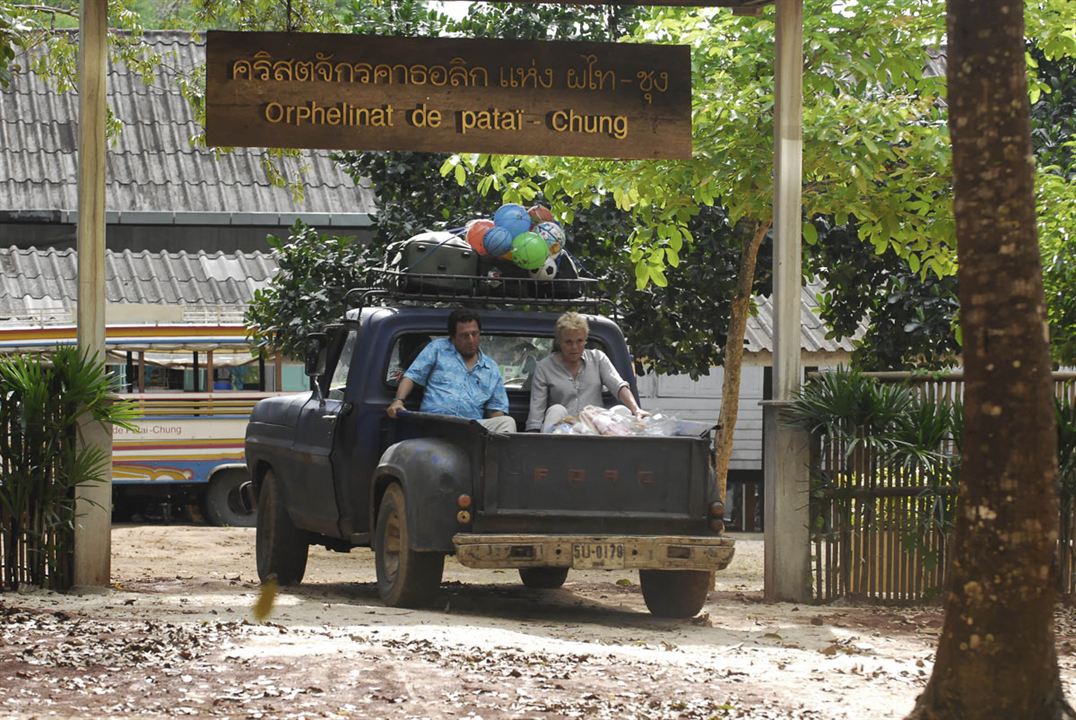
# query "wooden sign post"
(312, 90)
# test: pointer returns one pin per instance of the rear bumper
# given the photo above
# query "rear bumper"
(602, 552)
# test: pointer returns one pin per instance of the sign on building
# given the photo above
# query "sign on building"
(315, 90)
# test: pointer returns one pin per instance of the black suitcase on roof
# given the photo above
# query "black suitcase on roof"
(430, 254)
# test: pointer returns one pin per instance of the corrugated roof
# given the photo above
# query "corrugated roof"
(152, 166)
(41, 285)
(759, 334)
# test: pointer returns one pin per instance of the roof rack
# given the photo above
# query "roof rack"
(477, 291)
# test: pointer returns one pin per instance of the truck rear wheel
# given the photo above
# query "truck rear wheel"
(223, 505)
(405, 577)
(543, 578)
(675, 593)
(280, 547)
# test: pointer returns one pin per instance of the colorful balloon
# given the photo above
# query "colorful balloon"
(512, 217)
(553, 234)
(548, 271)
(539, 214)
(529, 251)
(475, 231)
(497, 241)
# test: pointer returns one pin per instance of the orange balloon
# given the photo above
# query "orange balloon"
(539, 214)
(475, 231)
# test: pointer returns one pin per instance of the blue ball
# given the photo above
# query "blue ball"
(497, 241)
(512, 217)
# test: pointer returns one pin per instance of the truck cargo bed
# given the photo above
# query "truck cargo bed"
(569, 483)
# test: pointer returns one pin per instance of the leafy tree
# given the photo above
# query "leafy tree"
(1053, 129)
(910, 317)
(315, 272)
(30, 26)
(996, 655)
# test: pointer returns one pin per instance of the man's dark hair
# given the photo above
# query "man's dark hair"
(462, 315)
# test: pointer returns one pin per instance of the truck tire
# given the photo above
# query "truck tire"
(280, 547)
(675, 593)
(223, 505)
(543, 578)
(405, 577)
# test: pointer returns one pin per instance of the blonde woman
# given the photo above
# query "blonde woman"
(572, 378)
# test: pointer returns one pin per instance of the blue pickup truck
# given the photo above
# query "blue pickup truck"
(329, 468)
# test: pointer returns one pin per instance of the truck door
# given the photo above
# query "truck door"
(314, 502)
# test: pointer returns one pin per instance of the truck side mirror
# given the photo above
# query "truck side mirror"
(316, 350)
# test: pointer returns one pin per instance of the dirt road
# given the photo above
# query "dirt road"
(175, 637)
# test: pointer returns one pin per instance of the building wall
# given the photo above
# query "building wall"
(689, 399)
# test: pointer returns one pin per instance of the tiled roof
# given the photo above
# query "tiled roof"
(42, 285)
(39, 285)
(152, 166)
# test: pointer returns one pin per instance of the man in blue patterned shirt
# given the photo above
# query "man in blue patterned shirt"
(458, 377)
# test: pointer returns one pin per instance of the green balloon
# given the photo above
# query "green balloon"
(529, 250)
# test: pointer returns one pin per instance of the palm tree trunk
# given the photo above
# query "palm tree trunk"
(996, 656)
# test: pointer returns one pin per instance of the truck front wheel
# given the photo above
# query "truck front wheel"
(280, 547)
(405, 577)
(543, 578)
(675, 593)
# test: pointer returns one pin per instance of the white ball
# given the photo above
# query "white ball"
(548, 271)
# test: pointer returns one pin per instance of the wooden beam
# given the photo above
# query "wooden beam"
(93, 501)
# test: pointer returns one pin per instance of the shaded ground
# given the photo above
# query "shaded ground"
(175, 636)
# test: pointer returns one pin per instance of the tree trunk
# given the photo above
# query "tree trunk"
(730, 388)
(996, 656)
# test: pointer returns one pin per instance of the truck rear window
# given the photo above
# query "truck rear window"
(516, 355)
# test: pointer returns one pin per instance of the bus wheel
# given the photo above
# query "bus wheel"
(280, 548)
(405, 577)
(223, 504)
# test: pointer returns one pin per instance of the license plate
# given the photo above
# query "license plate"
(597, 555)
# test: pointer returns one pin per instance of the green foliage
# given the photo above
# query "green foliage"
(547, 22)
(42, 400)
(849, 405)
(1054, 136)
(912, 315)
(910, 319)
(315, 272)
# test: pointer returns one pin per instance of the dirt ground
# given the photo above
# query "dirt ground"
(175, 636)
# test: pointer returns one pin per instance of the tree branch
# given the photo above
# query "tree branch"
(47, 9)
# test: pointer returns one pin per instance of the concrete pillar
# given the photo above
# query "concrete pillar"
(787, 559)
(93, 503)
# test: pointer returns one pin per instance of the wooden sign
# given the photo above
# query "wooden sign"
(313, 90)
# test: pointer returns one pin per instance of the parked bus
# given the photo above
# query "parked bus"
(193, 386)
